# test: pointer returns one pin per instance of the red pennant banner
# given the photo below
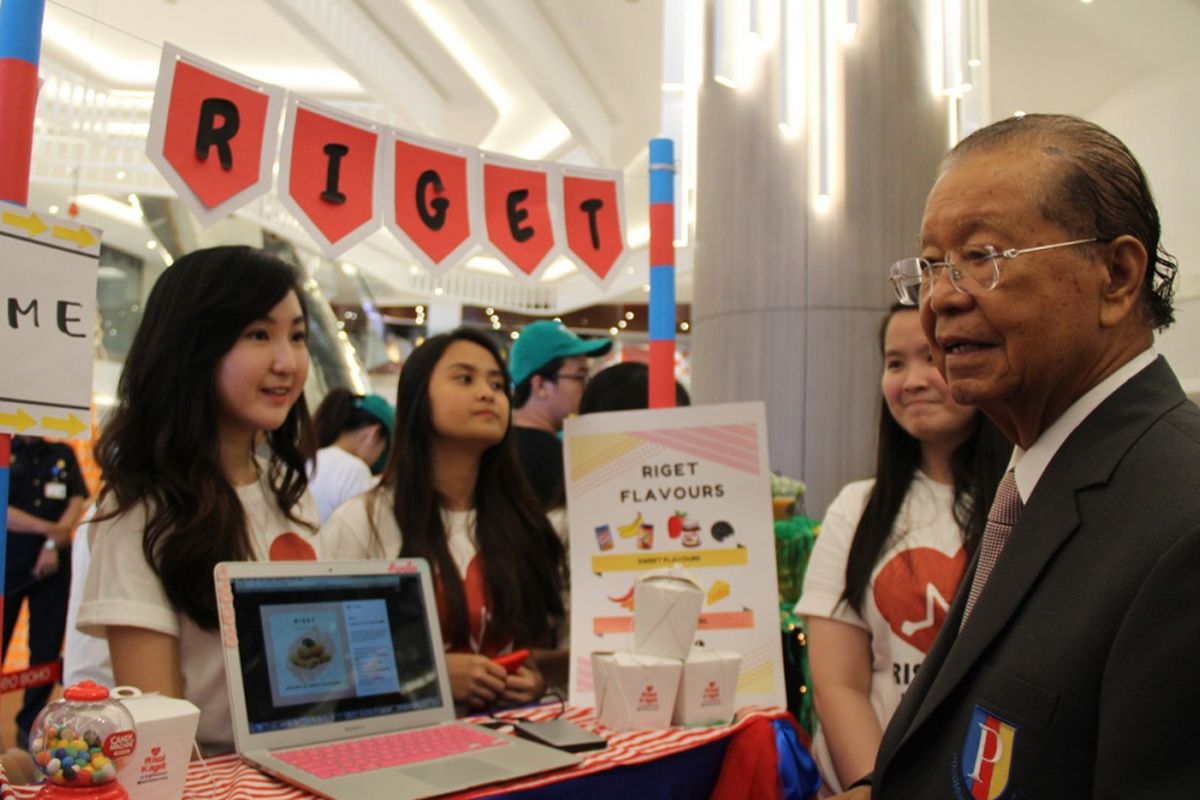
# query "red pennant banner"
(431, 209)
(328, 174)
(594, 217)
(516, 209)
(213, 137)
(212, 133)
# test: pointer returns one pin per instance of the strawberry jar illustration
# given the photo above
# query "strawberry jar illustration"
(81, 742)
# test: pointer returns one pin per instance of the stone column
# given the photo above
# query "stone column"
(787, 298)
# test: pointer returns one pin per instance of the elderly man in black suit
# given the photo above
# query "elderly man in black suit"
(1065, 667)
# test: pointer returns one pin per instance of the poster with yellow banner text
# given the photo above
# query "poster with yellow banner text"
(687, 486)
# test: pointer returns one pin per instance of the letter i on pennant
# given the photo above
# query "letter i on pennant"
(329, 174)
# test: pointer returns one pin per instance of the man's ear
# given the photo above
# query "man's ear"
(1121, 294)
(536, 384)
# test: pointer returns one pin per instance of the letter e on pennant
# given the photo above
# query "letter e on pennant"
(516, 208)
(212, 133)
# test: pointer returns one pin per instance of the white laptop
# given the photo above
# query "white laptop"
(337, 683)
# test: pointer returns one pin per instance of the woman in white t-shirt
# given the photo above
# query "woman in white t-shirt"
(353, 434)
(892, 550)
(453, 493)
(216, 370)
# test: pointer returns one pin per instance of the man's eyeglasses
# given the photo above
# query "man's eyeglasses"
(971, 270)
(582, 377)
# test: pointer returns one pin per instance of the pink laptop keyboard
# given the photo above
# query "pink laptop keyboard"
(388, 750)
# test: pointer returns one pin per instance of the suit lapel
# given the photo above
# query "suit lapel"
(1088, 458)
(1041, 530)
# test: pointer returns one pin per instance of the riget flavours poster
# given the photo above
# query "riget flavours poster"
(687, 486)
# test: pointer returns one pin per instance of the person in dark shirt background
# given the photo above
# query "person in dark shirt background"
(624, 387)
(549, 367)
(46, 498)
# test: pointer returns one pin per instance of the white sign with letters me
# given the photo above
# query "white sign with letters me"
(48, 269)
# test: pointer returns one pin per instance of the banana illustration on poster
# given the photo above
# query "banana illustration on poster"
(687, 486)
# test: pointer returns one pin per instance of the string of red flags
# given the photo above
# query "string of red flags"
(214, 137)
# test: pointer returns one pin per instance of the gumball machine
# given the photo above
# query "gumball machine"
(80, 743)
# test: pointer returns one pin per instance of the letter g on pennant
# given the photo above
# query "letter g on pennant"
(431, 208)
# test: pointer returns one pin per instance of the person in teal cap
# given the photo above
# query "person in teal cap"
(354, 434)
(549, 367)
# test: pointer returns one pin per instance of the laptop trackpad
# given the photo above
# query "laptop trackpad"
(458, 772)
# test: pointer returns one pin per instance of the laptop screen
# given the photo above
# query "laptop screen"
(324, 648)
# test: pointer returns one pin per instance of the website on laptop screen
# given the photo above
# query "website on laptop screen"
(323, 649)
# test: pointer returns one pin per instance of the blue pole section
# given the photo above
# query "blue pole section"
(21, 29)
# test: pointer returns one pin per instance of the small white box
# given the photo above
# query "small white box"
(666, 610)
(166, 728)
(707, 688)
(634, 691)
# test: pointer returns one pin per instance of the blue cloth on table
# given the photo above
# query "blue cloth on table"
(683, 776)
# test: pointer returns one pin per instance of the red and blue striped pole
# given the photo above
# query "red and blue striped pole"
(20, 51)
(662, 273)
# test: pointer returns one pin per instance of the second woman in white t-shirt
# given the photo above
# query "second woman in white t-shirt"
(892, 550)
(454, 494)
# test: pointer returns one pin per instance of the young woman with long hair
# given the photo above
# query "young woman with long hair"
(892, 550)
(353, 434)
(216, 370)
(453, 493)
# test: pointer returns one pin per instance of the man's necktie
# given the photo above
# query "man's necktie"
(1002, 516)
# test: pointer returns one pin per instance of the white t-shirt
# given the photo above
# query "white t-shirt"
(122, 589)
(911, 587)
(335, 476)
(85, 658)
(349, 534)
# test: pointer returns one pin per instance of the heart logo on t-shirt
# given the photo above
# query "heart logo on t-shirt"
(914, 589)
(290, 546)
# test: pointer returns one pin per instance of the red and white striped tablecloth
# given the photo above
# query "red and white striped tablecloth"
(227, 777)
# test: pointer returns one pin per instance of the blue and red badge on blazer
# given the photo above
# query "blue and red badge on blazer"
(987, 755)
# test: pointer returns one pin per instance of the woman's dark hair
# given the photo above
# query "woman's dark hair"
(623, 387)
(160, 446)
(341, 411)
(977, 466)
(522, 556)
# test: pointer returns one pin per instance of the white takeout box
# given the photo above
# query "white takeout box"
(707, 687)
(635, 691)
(166, 728)
(666, 610)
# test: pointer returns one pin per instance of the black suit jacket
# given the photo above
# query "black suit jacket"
(1077, 673)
